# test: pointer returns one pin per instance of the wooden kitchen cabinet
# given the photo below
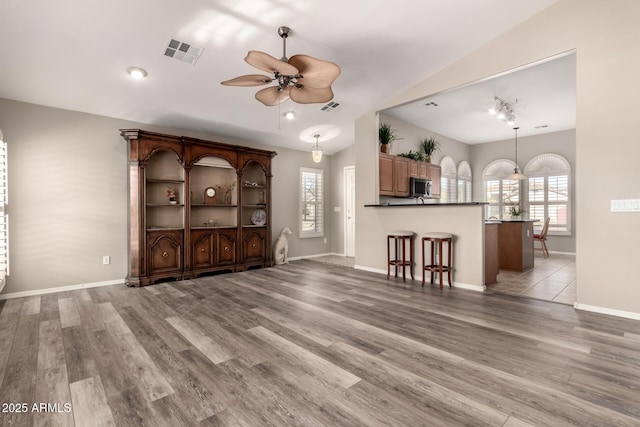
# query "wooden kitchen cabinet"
(395, 173)
(435, 172)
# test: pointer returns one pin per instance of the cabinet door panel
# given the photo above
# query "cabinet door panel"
(225, 248)
(386, 174)
(165, 253)
(203, 251)
(401, 168)
(253, 245)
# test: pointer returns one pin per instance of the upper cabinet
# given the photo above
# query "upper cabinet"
(196, 207)
(396, 172)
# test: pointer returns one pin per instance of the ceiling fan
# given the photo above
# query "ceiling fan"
(301, 78)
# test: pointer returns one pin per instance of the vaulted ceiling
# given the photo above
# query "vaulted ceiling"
(74, 54)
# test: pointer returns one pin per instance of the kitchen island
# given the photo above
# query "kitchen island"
(515, 242)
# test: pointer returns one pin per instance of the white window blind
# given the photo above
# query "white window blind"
(464, 182)
(448, 180)
(500, 193)
(549, 191)
(311, 203)
(4, 217)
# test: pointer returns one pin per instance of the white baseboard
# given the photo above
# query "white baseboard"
(460, 285)
(562, 253)
(60, 289)
(296, 258)
(609, 311)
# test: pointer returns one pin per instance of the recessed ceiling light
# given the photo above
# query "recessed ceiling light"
(137, 72)
(289, 115)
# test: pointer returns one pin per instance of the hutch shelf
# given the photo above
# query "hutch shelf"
(196, 207)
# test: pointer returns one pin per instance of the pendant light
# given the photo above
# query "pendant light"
(316, 151)
(516, 175)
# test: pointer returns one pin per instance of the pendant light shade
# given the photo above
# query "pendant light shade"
(316, 151)
(516, 175)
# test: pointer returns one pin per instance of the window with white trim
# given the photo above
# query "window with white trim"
(4, 217)
(499, 192)
(549, 191)
(448, 180)
(464, 181)
(311, 202)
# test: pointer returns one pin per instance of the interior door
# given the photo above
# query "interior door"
(350, 211)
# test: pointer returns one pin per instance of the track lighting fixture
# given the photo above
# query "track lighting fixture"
(503, 111)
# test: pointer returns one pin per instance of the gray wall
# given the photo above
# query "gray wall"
(562, 143)
(68, 195)
(339, 161)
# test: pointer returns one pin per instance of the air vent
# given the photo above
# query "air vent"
(182, 51)
(431, 104)
(541, 126)
(330, 107)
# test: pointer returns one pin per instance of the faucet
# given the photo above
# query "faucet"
(421, 200)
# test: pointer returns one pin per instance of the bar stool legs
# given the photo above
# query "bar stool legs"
(436, 241)
(400, 238)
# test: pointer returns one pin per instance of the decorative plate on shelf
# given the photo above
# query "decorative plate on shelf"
(259, 217)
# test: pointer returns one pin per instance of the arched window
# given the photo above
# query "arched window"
(448, 178)
(499, 192)
(549, 191)
(464, 181)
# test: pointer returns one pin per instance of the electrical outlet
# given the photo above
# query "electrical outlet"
(106, 260)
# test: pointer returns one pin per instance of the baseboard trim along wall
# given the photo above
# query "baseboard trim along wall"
(61, 289)
(459, 285)
(296, 258)
(609, 311)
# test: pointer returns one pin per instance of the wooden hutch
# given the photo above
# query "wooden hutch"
(195, 207)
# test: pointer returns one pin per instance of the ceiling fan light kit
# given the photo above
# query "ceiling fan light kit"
(301, 78)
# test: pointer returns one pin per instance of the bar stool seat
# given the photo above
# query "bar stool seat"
(436, 239)
(400, 238)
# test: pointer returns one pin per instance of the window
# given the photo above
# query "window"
(464, 182)
(448, 180)
(312, 203)
(548, 191)
(500, 193)
(4, 217)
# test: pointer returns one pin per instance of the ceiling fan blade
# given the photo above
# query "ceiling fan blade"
(248, 80)
(316, 73)
(272, 96)
(268, 63)
(309, 95)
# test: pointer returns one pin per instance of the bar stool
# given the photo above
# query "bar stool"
(436, 240)
(400, 238)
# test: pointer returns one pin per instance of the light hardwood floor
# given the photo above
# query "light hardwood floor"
(313, 344)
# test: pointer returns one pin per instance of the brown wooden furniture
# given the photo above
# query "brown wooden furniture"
(491, 253)
(515, 240)
(436, 241)
(396, 173)
(542, 238)
(175, 230)
(399, 239)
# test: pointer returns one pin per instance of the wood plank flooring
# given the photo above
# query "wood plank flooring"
(311, 344)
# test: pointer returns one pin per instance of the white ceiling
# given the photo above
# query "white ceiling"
(543, 97)
(73, 54)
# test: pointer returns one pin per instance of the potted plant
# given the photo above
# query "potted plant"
(514, 210)
(386, 135)
(429, 146)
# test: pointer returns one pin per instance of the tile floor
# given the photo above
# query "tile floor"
(552, 279)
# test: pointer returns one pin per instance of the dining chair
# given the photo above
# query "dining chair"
(542, 238)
